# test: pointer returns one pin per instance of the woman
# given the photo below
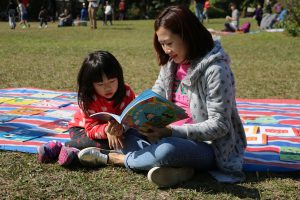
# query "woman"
(233, 21)
(195, 74)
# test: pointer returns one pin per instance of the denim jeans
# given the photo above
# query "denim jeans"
(199, 11)
(169, 151)
(229, 27)
(43, 21)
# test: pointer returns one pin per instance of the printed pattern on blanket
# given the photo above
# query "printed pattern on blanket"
(272, 128)
(30, 117)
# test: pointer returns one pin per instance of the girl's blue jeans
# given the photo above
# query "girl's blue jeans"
(169, 151)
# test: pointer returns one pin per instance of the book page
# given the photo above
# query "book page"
(105, 116)
(153, 112)
(142, 97)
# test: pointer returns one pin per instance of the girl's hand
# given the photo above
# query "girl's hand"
(115, 142)
(158, 132)
(114, 128)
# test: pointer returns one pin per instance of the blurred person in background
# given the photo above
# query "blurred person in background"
(92, 10)
(11, 11)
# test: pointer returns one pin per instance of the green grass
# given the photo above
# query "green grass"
(266, 65)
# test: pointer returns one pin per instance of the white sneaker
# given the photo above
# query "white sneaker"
(169, 176)
(93, 157)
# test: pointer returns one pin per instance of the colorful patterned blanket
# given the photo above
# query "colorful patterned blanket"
(30, 117)
(272, 128)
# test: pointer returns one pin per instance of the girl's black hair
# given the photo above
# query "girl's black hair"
(93, 67)
(181, 21)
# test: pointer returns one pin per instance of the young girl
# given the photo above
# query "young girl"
(101, 88)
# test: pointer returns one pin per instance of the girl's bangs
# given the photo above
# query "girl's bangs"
(96, 74)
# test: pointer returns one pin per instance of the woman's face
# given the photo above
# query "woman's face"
(172, 45)
(107, 88)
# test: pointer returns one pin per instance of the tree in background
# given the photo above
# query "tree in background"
(292, 23)
(52, 9)
(149, 8)
(137, 9)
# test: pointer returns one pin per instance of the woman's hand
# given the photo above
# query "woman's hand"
(158, 132)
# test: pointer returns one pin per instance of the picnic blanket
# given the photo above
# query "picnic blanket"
(30, 117)
(272, 129)
(223, 33)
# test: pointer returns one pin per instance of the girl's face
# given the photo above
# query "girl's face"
(107, 88)
(172, 45)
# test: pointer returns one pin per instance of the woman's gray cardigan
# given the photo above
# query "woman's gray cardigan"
(211, 92)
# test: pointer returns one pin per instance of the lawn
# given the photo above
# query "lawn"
(266, 65)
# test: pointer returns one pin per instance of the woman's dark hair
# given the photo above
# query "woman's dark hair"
(232, 4)
(93, 67)
(181, 21)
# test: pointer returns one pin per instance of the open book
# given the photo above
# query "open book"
(148, 110)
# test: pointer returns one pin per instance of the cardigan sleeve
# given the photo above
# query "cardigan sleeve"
(158, 86)
(94, 128)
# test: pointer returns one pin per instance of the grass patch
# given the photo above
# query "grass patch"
(266, 65)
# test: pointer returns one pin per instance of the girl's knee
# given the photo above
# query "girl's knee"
(165, 150)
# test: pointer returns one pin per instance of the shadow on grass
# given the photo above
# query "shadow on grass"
(122, 24)
(204, 183)
(77, 167)
(108, 27)
(253, 177)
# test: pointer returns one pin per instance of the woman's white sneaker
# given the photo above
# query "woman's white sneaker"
(169, 176)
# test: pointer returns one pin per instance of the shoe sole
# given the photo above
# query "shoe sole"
(169, 176)
(104, 151)
(93, 159)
